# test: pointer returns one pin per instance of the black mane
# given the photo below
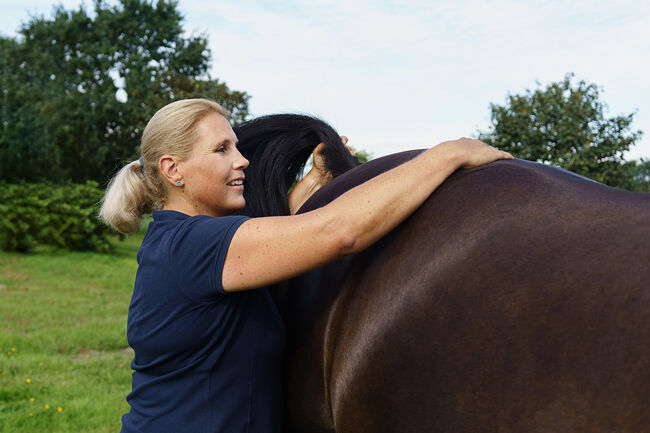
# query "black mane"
(277, 147)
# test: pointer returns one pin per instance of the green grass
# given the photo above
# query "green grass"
(63, 340)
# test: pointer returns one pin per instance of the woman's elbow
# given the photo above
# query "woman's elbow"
(348, 243)
(345, 237)
(338, 233)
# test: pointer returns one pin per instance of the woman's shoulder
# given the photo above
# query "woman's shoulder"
(177, 222)
(172, 231)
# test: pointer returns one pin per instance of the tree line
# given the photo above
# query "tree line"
(79, 87)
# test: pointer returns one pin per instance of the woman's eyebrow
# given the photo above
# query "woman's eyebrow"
(226, 141)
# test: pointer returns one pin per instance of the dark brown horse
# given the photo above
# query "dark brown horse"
(516, 299)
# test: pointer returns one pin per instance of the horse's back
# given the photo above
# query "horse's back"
(517, 298)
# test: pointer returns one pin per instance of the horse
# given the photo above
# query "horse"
(515, 299)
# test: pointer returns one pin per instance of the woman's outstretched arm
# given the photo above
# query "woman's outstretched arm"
(267, 250)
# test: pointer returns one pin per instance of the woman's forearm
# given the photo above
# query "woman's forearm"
(372, 209)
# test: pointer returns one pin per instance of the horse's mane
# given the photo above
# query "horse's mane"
(277, 147)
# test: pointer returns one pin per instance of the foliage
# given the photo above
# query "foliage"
(362, 155)
(78, 88)
(62, 216)
(635, 175)
(64, 328)
(564, 124)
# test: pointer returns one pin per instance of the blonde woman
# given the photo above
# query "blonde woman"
(208, 339)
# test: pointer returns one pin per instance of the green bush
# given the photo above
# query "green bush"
(64, 216)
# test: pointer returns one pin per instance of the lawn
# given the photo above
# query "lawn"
(65, 362)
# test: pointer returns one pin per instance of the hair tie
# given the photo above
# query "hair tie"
(141, 163)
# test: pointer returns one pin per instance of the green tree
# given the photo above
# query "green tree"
(636, 175)
(362, 155)
(564, 124)
(78, 88)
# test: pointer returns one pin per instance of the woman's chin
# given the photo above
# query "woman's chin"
(242, 204)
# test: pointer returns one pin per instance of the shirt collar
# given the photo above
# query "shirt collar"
(168, 215)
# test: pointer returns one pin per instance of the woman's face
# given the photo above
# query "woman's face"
(214, 173)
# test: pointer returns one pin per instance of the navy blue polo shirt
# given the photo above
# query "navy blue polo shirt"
(205, 360)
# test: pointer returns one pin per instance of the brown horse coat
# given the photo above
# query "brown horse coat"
(516, 299)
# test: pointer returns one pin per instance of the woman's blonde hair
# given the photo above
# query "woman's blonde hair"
(136, 189)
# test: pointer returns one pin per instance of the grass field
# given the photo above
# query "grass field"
(65, 363)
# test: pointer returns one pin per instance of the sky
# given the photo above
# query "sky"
(404, 74)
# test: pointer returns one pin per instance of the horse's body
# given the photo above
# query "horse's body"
(516, 299)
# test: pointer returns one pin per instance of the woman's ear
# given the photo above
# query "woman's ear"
(170, 169)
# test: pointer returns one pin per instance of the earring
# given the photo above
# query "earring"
(178, 182)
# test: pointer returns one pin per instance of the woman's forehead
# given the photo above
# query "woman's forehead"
(215, 129)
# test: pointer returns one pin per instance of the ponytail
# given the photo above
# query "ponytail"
(127, 199)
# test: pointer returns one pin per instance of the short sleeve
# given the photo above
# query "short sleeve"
(198, 252)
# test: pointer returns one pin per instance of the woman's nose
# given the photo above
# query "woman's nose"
(240, 162)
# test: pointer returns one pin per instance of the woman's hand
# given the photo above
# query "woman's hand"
(472, 153)
(319, 169)
(319, 160)
(317, 177)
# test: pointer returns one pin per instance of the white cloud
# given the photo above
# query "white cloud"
(377, 70)
(398, 74)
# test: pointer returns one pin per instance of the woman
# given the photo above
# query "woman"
(208, 350)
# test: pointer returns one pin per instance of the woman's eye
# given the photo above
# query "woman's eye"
(220, 149)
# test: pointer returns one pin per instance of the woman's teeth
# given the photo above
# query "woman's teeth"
(236, 182)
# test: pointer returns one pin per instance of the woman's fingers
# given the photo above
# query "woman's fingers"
(319, 158)
(344, 140)
(502, 153)
(474, 152)
(320, 149)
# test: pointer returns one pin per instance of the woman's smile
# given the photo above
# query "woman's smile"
(237, 184)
